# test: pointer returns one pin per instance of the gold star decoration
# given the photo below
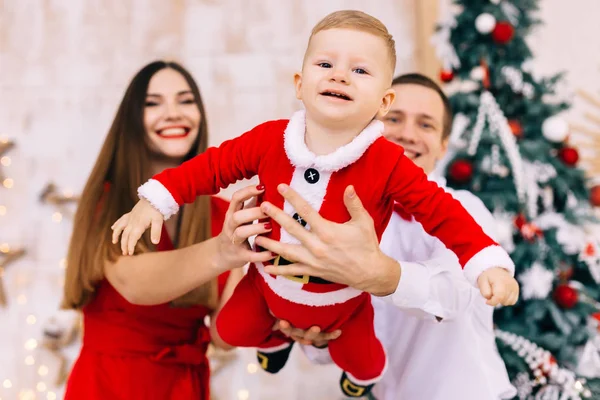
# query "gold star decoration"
(8, 256)
(51, 195)
(5, 146)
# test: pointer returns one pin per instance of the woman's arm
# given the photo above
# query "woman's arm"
(159, 277)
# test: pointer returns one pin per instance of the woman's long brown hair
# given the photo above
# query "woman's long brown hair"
(122, 164)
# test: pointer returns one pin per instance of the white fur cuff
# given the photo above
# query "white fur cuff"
(159, 197)
(491, 256)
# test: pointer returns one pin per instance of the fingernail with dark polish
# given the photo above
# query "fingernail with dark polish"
(268, 225)
(260, 187)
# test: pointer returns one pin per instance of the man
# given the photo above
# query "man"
(436, 327)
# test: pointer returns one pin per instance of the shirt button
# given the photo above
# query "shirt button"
(311, 175)
(300, 220)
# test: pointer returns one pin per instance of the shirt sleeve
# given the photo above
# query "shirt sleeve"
(444, 217)
(207, 173)
(316, 355)
(436, 289)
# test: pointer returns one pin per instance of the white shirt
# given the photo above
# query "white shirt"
(430, 360)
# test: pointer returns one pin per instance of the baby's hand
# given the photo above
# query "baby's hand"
(498, 287)
(134, 223)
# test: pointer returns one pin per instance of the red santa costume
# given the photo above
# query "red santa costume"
(380, 173)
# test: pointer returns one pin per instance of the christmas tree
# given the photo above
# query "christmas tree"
(510, 147)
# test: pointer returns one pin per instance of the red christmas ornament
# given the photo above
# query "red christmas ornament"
(446, 75)
(596, 317)
(515, 127)
(569, 156)
(461, 171)
(503, 32)
(565, 296)
(528, 230)
(520, 221)
(595, 196)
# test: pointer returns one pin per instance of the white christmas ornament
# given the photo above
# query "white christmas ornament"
(589, 361)
(477, 73)
(485, 23)
(555, 129)
(536, 282)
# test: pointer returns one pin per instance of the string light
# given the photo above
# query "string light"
(51, 396)
(57, 217)
(2, 210)
(8, 183)
(252, 368)
(22, 299)
(41, 387)
(243, 394)
(5, 161)
(29, 360)
(31, 344)
(31, 319)
(4, 248)
(43, 370)
(7, 384)
(27, 395)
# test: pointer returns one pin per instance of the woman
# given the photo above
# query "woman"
(144, 330)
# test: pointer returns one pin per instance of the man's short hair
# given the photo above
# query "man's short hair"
(422, 80)
(359, 21)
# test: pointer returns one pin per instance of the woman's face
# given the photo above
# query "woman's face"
(171, 116)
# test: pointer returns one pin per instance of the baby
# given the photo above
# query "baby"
(344, 85)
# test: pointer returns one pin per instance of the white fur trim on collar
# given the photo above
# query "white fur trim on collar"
(301, 157)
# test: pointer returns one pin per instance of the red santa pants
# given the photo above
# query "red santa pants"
(247, 319)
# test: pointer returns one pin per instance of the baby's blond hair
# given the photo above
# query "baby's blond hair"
(360, 21)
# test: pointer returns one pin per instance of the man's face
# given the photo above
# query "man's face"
(415, 121)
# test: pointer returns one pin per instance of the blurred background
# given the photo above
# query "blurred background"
(64, 66)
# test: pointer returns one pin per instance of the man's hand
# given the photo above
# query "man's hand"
(498, 287)
(344, 253)
(312, 336)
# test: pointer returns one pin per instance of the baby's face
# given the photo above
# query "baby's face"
(345, 79)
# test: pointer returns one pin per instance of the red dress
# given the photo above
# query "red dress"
(144, 352)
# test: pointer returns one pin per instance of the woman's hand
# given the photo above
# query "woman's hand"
(233, 247)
